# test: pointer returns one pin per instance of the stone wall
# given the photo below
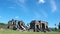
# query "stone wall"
(16, 24)
(37, 25)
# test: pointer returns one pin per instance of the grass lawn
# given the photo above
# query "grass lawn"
(18, 32)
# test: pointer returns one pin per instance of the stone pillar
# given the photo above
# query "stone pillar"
(35, 28)
(41, 26)
(45, 25)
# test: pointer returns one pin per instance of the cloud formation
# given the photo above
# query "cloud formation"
(53, 6)
(41, 1)
(17, 17)
(22, 4)
(22, 1)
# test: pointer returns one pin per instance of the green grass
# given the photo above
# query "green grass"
(18, 32)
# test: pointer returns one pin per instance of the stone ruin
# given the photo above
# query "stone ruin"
(16, 24)
(38, 25)
(35, 25)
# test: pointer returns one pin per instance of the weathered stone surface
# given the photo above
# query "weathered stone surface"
(35, 25)
(16, 24)
(38, 25)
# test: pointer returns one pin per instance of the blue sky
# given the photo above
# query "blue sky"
(28, 10)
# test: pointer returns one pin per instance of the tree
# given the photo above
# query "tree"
(59, 25)
(55, 27)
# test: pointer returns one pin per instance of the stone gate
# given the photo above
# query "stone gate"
(38, 25)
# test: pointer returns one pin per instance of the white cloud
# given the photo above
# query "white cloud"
(53, 6)
(22, 5)
(17, 17)
(22, 1)
(38, 15)
(41, 1)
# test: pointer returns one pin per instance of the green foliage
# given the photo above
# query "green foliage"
(55, 29)
(2, 24)
(59, 25)
(58, 30)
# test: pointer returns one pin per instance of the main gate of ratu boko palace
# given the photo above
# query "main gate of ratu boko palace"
(38, 25)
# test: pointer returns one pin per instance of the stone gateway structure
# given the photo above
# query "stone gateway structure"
(35, 25)
(16, 24)
(38, 25)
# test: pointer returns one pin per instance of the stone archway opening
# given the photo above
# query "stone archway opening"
(43, 26)
(37, 28)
